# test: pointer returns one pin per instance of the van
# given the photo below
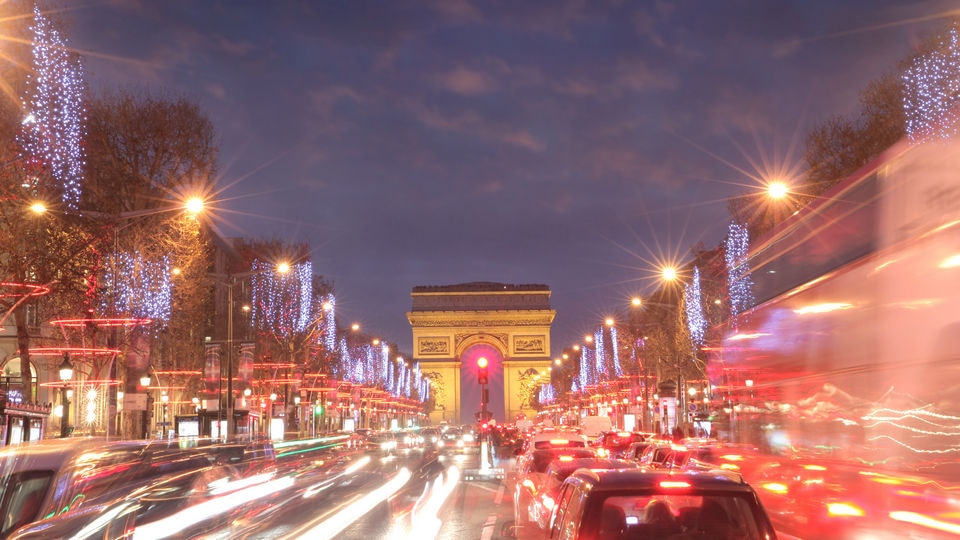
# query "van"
(594, 426)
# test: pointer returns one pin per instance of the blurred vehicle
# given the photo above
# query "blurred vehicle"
(655, 455)
(827, 500)
(624, 504)
(48, 478)
(530, 476)
(554, 438)
(635, 450)
(183, 505)
(545, 494)
(409, 440)
(473, 436)
(614, 444)
(430, 436)
(383, 443)
(703, 457)
(451, 441)
(852, 355)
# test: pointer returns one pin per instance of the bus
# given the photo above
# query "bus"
(851, 353)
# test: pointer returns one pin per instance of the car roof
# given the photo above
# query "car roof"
(633, 479)
(55, 454)
(565, 468)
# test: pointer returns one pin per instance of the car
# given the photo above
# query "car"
(696, 505)
(545, 496)
(383, 443)
(614, 444)
(451, 441)
(655, 455)
(554, 438)
(409, 439)
(51, 477)
(635, 450)
(173, 506)
(530, 476)
(430, 436)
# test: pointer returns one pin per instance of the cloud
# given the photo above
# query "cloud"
(465, 82)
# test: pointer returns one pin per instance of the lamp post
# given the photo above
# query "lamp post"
(145, 382)
(164, 398)
(66, 374)
(230, 281)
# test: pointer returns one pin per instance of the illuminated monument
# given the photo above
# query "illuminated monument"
(508, 325)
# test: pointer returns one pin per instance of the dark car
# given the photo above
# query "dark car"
(530, 476)
(623, 504)
(543, 501)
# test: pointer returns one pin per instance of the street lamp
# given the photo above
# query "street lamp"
(66, 374)
(230, 281)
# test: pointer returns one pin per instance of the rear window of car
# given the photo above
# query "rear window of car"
(714, 516)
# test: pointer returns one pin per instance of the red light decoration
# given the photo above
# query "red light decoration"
(10, 289)
(74, 351)
(113, 321)
(81, 384)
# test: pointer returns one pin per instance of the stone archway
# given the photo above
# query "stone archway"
(455, 324)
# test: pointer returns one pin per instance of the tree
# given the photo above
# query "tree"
(41, 161)
(148, 154)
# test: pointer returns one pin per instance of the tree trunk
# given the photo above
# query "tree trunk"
(23, 346)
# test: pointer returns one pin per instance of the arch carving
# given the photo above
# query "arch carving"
(466, 340)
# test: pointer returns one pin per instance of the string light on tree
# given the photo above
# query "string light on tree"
(739, 283)
(932, 90)
(696, 322)
(54, 127)
(283, 301)
(142, 286)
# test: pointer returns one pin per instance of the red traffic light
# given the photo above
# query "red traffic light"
(482, 370)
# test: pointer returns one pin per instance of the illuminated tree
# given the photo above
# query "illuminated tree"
(55, 115)
(932, 83)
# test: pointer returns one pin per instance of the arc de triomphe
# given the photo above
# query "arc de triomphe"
(454, 325)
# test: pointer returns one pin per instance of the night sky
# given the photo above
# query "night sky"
(575, 144)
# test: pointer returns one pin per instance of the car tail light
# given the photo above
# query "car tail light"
(559, 442)
(674, 484)
(565, 458)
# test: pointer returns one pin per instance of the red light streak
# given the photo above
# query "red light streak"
(114, 321)
(30, 289)
(74, 351)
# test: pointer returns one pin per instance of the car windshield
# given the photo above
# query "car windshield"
(622, 516)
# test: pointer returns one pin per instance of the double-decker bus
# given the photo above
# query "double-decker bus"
(852, 352)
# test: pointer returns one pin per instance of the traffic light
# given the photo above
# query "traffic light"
(482, 370)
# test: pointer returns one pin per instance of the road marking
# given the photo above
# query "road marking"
(499, 497)
(489, 527)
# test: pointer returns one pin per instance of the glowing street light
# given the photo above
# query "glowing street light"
(194, 205)
(66, 374)
(777, 189)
